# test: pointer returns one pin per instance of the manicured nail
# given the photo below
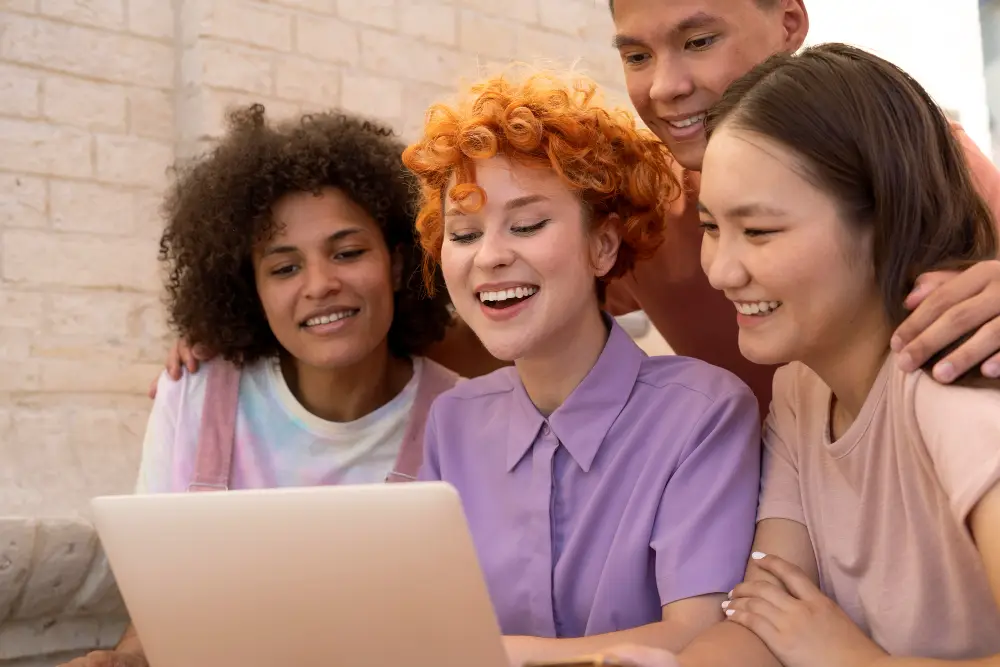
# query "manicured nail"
(725, 604)
(944, 372)
(757, 555)
(730, 612)
(896, 343)
(730, 596)
(905, 362)
(991, 369)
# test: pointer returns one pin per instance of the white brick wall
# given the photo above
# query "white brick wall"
(97, 99)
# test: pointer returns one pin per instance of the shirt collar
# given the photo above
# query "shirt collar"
(583, 420)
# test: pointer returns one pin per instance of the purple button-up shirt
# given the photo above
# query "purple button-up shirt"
(639, 490)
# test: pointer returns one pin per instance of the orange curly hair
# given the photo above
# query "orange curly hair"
(544, 121)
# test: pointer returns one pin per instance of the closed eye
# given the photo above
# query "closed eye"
(353, 253)
(468, 237)
(756, 233)
(530, 229)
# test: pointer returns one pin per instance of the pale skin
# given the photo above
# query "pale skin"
(770, 237)
(533, 233)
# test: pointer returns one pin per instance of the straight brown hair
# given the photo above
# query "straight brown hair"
(873, 138)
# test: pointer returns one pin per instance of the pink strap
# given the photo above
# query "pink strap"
(218, 426)
(435, 380)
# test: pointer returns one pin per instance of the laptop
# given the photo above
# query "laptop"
(380, 575)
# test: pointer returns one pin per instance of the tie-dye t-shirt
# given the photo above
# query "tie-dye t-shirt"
(277, 441)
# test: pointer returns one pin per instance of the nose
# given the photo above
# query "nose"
(721, 262)
(494, 251)
(321, 279)
(671, 81)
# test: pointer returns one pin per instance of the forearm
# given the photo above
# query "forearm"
(724, 645)
(130, 643)
(669, 635)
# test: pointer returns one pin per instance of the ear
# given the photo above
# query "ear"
(397, 269)
(795, 20)
(605, 240)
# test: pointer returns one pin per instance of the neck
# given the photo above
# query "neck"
(851, 369)
(551, 376)
(348, 393)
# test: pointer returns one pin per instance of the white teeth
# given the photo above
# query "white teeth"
(326, 319)
(512, 293)
(687, 122)
(756, 307)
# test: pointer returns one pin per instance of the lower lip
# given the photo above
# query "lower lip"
(751, 321)
(504, 314)
(330, 327)
(686, 133)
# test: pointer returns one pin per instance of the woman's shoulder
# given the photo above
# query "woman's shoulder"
(190, 391)
(691, 375)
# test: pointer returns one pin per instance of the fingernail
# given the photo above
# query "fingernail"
(730, 595)
(757, 555)
(896, 343)
(725, 604)
(730, 612)
(991, 369)
(944, 372)
(905, 362)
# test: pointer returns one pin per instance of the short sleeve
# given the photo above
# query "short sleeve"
(705, 523)
(960, 427)
(780, 491)
(159, 456)
(430, 468)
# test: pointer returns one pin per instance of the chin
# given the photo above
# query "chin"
(765, 353)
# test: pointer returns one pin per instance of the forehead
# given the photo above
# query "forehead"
(502, 180)
(302, 214)
(661, 17)
(740, 164)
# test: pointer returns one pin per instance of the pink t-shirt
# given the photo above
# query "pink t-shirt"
(887, 504)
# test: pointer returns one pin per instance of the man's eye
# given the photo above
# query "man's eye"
(702, 43)
(635, 58)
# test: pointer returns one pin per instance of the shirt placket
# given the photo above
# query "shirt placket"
(542, 455)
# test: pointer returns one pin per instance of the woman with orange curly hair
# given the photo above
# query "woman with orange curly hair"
(611, 495)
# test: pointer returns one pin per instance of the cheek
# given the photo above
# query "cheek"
(454, 269)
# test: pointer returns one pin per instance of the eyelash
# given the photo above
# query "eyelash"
(711, 39)
(709, 227)
(524, 231)
(345, 255)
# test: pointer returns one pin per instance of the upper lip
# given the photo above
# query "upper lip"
(496, 287)
(754, 300)
(328, 310)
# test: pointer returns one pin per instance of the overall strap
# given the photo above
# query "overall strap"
(218, 426)
(435, 379)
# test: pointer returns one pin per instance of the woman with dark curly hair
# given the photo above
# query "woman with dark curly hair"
(292, 256)
(611, 495)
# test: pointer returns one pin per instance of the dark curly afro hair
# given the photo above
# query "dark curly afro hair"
(220, 207)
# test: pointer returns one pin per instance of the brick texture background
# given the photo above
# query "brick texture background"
(99, 97)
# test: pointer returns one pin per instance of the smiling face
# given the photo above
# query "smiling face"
(801, 277)
(325, 280)
(521, 270)
(679, 57)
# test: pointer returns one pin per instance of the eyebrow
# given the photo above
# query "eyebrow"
(515, 203)
(747, 211)
(336, 236)
(693, 22)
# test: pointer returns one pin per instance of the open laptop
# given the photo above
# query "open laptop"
(381, 575)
